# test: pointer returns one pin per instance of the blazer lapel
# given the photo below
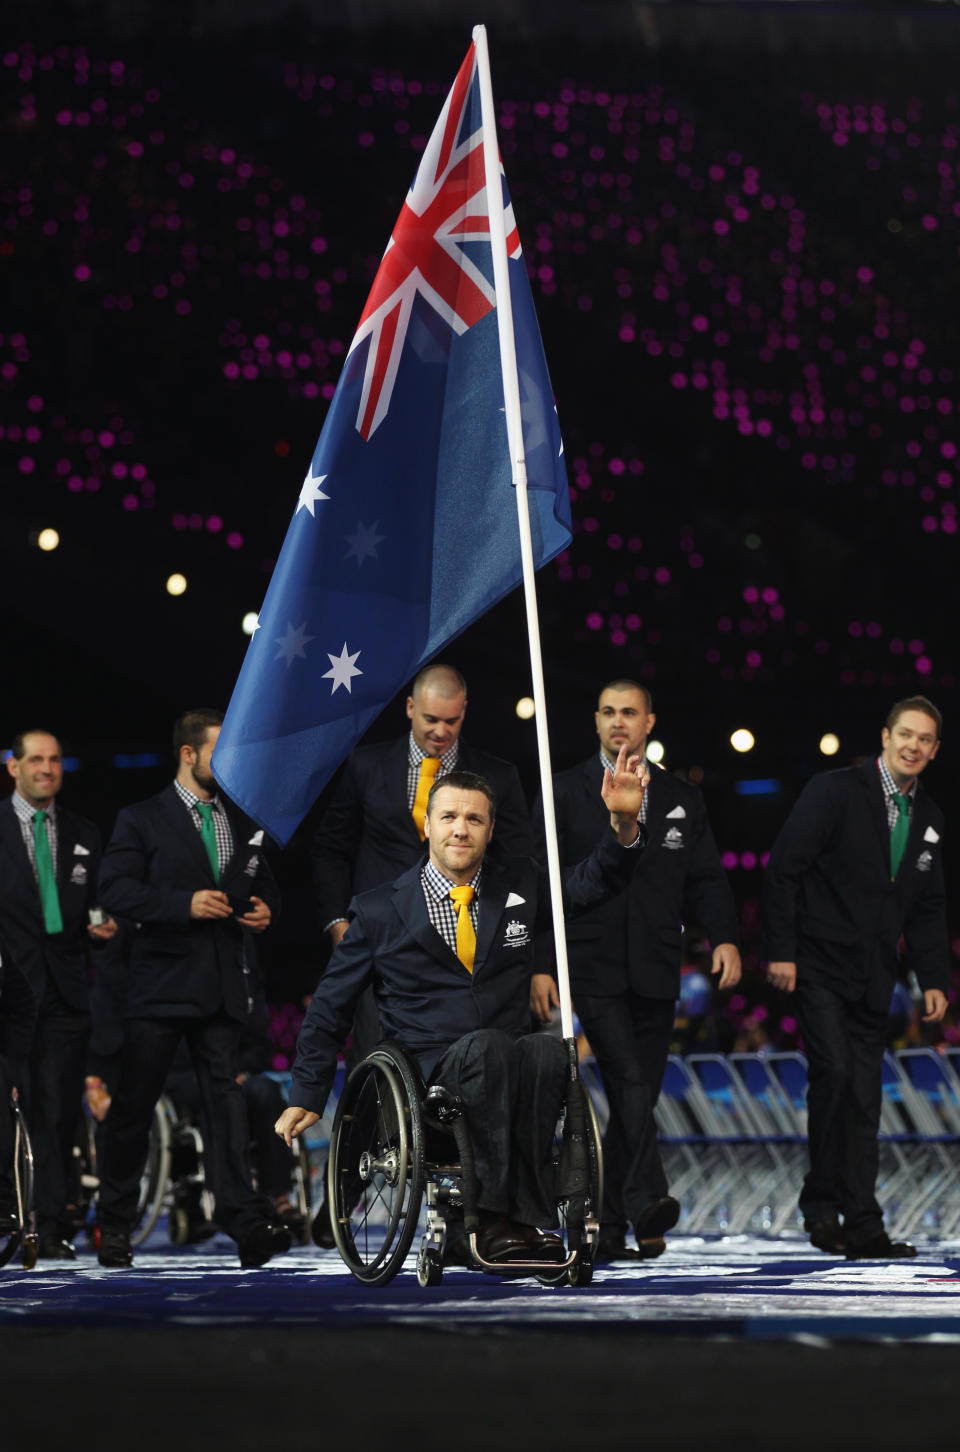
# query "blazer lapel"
(396, 763)
(494, 890)
(877, 807)
(179, 819)
(11, 842)
(409, 903)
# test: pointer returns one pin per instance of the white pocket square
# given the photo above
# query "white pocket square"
(257, 839)
(514, 900)
(931, 836)
(81, 851)
(677, 812)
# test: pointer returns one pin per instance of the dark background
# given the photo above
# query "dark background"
(631, 137)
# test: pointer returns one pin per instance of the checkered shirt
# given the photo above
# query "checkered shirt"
(611, 767)
(440, 905)
(221, 822)
(448, 762)
(889, 787)
(25, 813)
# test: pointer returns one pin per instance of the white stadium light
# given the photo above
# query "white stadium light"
(525, 708)
(742, 740)
(176, 584)
(48, 539)
(655, 751)
(250, 623)
(829, 744)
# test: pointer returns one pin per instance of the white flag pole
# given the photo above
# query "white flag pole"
(511, 396)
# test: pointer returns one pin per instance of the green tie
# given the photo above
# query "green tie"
(46, 881)
(900, 833)
(209, 834)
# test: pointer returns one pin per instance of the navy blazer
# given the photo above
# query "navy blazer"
(64, 956)
(633, 941)
(426, 999)
(18, 1017)
(828, 902)
(153, 864)
(367, 835)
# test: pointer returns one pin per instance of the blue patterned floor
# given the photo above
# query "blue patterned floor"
(734, 1286)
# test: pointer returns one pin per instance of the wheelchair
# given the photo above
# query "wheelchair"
(173, 1179)
(22, 1236)
(395, 1143)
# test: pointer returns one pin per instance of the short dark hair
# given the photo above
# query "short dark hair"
(914, 703)
(190, 729)
(624, 683)
(465, 781)
(447, 674)
(18, 747)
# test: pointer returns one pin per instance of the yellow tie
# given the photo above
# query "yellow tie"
(466, 937)
(429, 767)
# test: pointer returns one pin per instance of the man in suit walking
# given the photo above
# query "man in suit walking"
(448, 948)
(624, 960)
(857, 865)
(188, 869)
(49, 859)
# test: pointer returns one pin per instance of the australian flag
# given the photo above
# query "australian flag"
(405, 529)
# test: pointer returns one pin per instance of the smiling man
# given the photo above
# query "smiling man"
(857, 865)
(448, 949)
(49, 860)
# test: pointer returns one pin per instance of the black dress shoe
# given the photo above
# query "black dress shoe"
(881, 1247)
(321, 1231)
(657, 1219)
(53, 1247)
(498, 1239)
(114, 1251)
(263, 1243)
(828, 1234)
(613, 1250)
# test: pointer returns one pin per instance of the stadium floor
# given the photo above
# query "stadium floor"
(733, 1341)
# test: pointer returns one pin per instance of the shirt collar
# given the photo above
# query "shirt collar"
(433, 879)
(26, 812)
(447, 761)
(888, 783)
(190, 798)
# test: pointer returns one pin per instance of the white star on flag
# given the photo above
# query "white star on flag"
(342, 669)
(363, 544)
(311, 492)
(293, 643)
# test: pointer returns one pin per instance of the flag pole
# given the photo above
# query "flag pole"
(511, 396)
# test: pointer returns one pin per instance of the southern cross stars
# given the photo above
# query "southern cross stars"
(342, 669)
(311, 492)
(293, 643)
(363, 544)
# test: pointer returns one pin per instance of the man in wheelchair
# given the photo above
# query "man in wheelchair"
(448, 948)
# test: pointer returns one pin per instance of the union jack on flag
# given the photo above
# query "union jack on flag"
(445, 209)
(405, 529)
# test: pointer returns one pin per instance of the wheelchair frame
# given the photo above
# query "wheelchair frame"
(387, 1150)
(24, 1235)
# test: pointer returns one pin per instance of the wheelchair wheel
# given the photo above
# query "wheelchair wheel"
(156, 1172)
(375, 1173)
(581, 1272)
(429, 1267)
(301, 1186)
(23, 1235)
